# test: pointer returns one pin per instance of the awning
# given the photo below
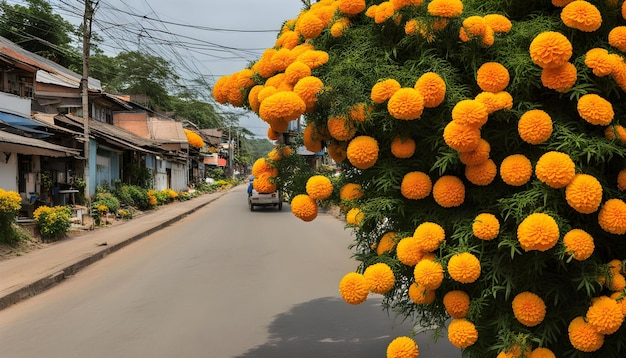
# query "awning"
(24, 124)
(13, 143)
(221, 162)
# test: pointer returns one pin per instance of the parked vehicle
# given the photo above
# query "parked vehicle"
(272, 199)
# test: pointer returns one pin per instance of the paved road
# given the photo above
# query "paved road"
(223, 282)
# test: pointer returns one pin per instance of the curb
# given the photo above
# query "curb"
(46, 283)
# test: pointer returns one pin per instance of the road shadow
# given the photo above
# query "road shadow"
(329, 327)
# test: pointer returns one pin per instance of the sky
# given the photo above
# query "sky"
(200, 38)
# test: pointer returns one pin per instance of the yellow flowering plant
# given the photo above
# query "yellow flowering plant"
(515, 114)
(10, 204)
(53, 222)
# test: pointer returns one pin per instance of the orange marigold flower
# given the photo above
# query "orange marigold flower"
(220, 92)
(350, 191)
(486, 226)
(514, 351)
(402, 147)
(615, 131)
(612, 216)
(339, 27)
(384, 11)
(617, 282)
(371, 11)
(460, 137)
(581, 15)
(538, 231)
(282, 59)
(599, 60)
(272, 134)
(429, 235)
(464, 267)
(285, 106)
(296, 71)
(550, 49)
(363, 152)
(555, 169)
(265, 92)
(416, 185)
(264, 66)
(379, 278)
(462, 333)
(542, 352)
(432, 87)
(621, 180)
(353, 288)
(420, 295)
(411, 26)
(445, 8)
(492, 77)
(402, 347)
(352, 7)
(499, 23)
(261, 165)
(354, 216)
(383, 90)
(583, 336)
(309, 25)
(605, 315)
(516, 170)
(253, 98)
(359, 111)
(490, 101)
(399, 4)
(561, 3)
(529, 309)
(535, 126)
(304, 207)
(449, 191)
(504, 100)
(620, 298)
(313, 58)
(579, 243)
(307, 88)
(408, 251)
(560, 79)
(595, 109)
(264, 183)
(387, 243)
(311, 138)
(338, 151)
(473, 26)
(617, 38)
(341, 128)
(288, 39)
(456, 303)
(584, 193)
(406, 104)
(319, 187)
(470, 112)
(478, 155)
(428, 274)
(481, 174)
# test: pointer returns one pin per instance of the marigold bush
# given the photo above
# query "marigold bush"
(547, 130)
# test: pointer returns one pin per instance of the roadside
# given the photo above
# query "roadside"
(35, 267)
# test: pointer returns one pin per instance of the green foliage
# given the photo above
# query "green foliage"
(370, 51)
(107, 199)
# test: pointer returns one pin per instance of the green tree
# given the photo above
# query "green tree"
(37, 29)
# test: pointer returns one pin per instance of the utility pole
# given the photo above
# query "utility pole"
(89, 10)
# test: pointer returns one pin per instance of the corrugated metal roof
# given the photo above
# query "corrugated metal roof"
(57, 74)
(10, 142)
(167, 130)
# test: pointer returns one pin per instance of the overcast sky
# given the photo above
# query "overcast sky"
(201, 38)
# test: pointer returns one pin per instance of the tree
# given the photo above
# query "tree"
(482, 148)
(37, 29)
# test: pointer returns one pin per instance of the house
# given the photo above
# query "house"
(41, 103)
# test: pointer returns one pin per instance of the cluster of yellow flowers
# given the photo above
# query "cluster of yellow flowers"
(519, 173)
